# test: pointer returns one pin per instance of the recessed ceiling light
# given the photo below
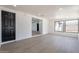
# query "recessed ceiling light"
(14, 5)
(60, 8)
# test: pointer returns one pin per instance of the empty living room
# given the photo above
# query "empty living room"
(39, 28)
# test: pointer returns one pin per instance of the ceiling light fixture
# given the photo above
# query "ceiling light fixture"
(60, 9)
(14, 5)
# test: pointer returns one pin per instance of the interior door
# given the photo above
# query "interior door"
(8, 26)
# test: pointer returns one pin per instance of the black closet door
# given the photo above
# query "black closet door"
(8, 26)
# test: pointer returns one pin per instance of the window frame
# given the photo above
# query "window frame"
(64, 25)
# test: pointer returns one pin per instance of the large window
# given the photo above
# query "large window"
(72, 26)
(59, 26)
(66, 26)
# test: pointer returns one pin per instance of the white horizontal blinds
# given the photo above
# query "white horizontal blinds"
(72, 26)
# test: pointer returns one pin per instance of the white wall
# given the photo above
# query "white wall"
(45, 26)
(23, 24)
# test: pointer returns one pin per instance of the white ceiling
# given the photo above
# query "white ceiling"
(46, 11)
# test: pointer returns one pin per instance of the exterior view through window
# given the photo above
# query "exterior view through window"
(66, 26)
(72, 26)
(59, 26)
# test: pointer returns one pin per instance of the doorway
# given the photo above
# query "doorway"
(36, 26)
(8, 26)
